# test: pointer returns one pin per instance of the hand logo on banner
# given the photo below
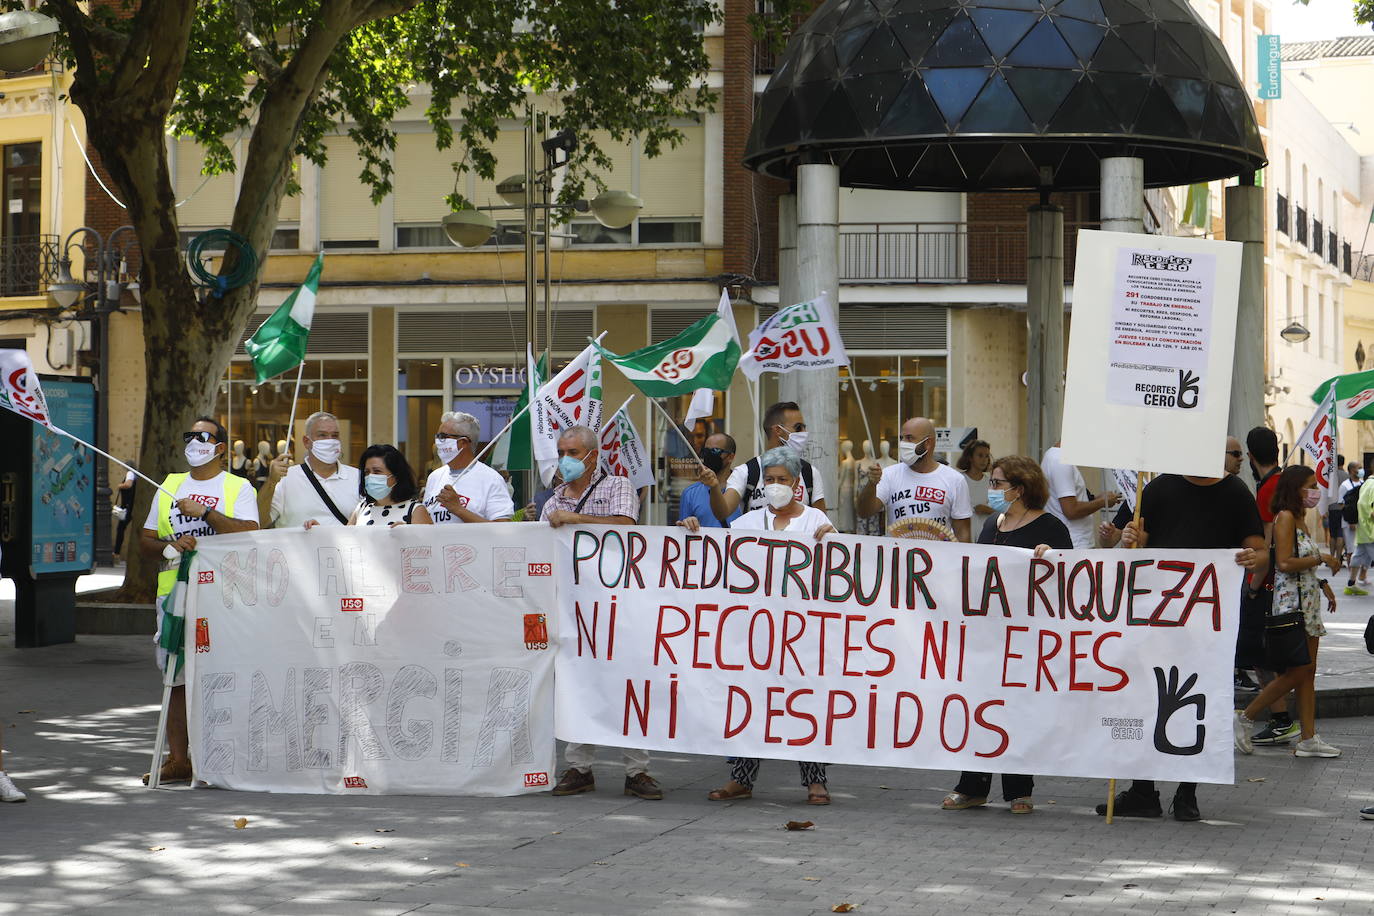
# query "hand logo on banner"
(1173, 698)
(19, 387)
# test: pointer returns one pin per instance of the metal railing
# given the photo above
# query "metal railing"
(1332, 251)
(1281, 218)
(1300, 225)
(942, 252)
(1345, 258)
(1317, 238)
(28, 263)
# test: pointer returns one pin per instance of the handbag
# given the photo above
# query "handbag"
(1285, 635)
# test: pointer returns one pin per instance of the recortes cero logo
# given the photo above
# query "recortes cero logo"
(1172, 262)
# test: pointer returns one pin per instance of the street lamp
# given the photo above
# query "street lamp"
(1295, 333)
(26, 38)
(111, 264)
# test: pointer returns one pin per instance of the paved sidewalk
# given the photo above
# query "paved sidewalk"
(91, 839)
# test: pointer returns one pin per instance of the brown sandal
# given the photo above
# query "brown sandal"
(818, 798)
(724, 794)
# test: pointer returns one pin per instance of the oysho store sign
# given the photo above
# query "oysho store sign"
(482, 377)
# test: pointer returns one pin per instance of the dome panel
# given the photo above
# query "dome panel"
(954, 89)
(1043, 47)
(913, 113)
(918, 30)
(1083, 37)
(1041, 91)
(1088, 10)
(959, 46)
(996, 111)
(1002, 29)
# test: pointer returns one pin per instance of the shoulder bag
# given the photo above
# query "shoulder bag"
(324, 497)
(1285, 635)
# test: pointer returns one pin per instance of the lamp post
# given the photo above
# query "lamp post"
(531, 193)
(111, 267)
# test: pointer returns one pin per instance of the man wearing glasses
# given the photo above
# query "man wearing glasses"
(209, 501)
(924, 499)
(783, 424)
(320, 487)
(461, 488)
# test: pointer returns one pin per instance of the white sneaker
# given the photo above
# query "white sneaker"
(9, 792)
(1242, 728)
(1315, 747)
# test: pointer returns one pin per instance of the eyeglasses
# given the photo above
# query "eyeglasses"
(448, 436)
(999, 483)
(796, 428)
(1236, 454)
(203, 435)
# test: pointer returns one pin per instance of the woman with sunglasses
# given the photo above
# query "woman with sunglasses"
(1017, 492)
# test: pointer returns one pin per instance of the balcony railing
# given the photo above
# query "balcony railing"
(1345, 259)
(28, 263)
(1281, 218)
(1332, 251)
(978, 252)
(1300, 225)
(1317, 238)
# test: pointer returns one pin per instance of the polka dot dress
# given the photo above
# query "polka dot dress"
(369, 513)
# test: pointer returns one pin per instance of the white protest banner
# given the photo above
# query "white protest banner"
(415, 659)
(20, 390)
(1150, 353)
(801, 336)
(927, 655)
(1318, 439)
(622, 450)
(1125, 485)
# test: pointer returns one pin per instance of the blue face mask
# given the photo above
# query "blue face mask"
(570, 468)
(376, 486)
(997, 500)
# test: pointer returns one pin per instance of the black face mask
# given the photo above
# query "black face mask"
(714, 459)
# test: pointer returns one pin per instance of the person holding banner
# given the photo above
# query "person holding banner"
(209, 501)
(387, 494)
(1017, 487)
(781, 473)
(924, 499)
(1296, 588)
(320, 487)
(461, 488)
(1069, 500)
(783, 425)
(593, 496)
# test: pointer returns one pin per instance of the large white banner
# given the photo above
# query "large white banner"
(870, 651)
(1151, 352)
(415, 659)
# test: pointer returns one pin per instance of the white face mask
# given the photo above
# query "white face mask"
(908, 455)
(797, 441)
(326, 451)
(447, 449)
(200, 453)
(778, 494)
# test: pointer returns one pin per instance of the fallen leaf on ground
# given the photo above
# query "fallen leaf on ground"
(461, 865)
(1130, 885)
(358, 843)
(1255, 779)
(884, 787)
(801, 825)
(240, 823)
(385, 830)
(1051, 802)
(156, 848)
(843, 908)
(811, 879)
(25, 712)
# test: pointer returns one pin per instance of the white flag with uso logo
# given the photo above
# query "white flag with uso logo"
(801, 336)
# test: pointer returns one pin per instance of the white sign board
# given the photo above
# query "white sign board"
(952, 438)
(1150, 352)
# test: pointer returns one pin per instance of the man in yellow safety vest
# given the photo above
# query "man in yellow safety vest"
(209, 501)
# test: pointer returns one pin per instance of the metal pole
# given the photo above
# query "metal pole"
(529, 259)
(546, 193)
(104, 551)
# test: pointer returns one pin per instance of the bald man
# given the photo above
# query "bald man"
(923, 498)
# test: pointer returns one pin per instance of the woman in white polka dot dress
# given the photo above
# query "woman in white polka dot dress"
(387, 491)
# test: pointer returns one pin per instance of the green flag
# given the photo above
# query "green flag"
(279, 344)
(172, 606)
(1354, 395)
(703, 356)
(1196, 207)
(518, 440)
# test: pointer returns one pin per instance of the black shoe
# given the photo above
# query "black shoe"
(1243, 681)
(1184, 808)
(1131, 803)
(575, 782)
(1277, 732)
(642, 785)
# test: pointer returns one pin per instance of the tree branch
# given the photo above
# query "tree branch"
(382, 9)
(87, 35)
(263, 59)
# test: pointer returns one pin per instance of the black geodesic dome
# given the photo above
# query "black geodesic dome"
(943, 95)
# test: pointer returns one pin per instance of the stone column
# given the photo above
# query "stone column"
(1123, 194)
(1245, 224)
(1045, 326)
(818, 256)
(787, 280)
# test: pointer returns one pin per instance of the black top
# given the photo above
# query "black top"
(1179, 513)
(1044, 530)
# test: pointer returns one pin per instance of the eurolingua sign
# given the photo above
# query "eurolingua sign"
(1270, 67)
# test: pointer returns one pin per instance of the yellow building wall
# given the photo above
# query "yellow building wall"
(1356, 438)
(987, 356)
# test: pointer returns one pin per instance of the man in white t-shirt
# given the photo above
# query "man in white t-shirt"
(1069, 501)
(209, 501)
(289, 498)
(923, 498)
(783, 425)
(463, 489)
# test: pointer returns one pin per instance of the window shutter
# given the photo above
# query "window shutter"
(673, 183)
(621, 174)
(509, 150)
(346, 208)
(210, 206)
(423, 178)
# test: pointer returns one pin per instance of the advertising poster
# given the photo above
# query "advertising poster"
(63, 507)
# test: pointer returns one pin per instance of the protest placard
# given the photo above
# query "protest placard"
(413, 660)
(1151, 352)
(885, 653)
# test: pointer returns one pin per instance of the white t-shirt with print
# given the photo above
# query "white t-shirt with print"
(211, 494)
(1066, 480)
(938, 497)
(739, 479)
(481, 490)
(808, 522)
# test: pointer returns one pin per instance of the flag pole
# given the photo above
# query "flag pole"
(291, 423)
(853, 384)
(137, 473)
(691, 449)
(1139, 492)
(486, 448)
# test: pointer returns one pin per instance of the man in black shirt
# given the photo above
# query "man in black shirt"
(1197, 513)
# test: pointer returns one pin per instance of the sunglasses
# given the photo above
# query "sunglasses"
(1235, 454)
(202, 435)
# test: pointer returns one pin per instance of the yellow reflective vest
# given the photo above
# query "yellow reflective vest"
(233, 485)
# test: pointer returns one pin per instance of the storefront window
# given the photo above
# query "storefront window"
(256, 413)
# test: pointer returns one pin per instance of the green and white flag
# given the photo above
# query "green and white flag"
(172, 631)
(1354, 395)
(279, 344)
(513, 452)
(703, 356)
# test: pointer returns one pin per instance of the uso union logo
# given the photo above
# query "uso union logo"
(355, 782)
(536, 779)
(676, 363)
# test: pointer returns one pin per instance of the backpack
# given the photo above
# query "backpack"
(754, 471)
(1350, 505)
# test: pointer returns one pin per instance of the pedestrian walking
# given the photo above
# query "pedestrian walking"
(1296, 588)
(1350, 521)
(1018, 490)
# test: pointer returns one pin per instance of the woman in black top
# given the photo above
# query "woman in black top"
(1017, 491)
